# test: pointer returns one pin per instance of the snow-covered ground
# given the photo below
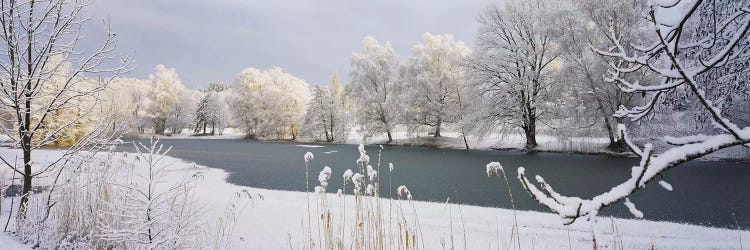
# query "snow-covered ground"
(229, 133)
(274, 220)
(8, 243)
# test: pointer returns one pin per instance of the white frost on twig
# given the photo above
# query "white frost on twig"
(665, 185)
(633, 210)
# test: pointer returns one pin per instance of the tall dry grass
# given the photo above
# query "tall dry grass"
(365, 219)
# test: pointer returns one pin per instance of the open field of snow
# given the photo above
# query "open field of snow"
(274, 220)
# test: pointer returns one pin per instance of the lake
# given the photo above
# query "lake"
(705, 193)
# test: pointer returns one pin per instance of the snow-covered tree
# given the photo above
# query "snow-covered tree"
(435, 81)
(127, 98)
(222, 114)
(44, 74)
(581, 24)
(512, 66)
(269, 103)
(694, 47)
(336, 88)
(203, 113)
(729, 83)
(58, 128)
(183, 112)
(166, 88)
(326, 115)
(212, 110)
(374, 78)
(319, 117)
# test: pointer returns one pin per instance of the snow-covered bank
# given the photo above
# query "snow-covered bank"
(274, 219)
(454, 140)
(576, 145)
(271, 221)
(228, 133)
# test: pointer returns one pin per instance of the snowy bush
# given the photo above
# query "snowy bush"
(114, 200)
(144, 211)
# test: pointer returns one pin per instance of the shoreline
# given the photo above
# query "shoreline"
(409, 142)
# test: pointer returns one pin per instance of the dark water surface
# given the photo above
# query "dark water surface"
(705, 193)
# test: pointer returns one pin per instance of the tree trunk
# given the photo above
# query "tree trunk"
(26, 137)
(213, 127)
(328, 138)
(530, 138)
(616, 144)
(204, 128)
(26, 176)
(437, 127)
(529, 126)
(160, 126)
(610, 132)
(390, 137)
(332, 139)
(466, 142)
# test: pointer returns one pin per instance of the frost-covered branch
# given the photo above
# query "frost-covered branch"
(49, 87)
(650, 167)
(683, 62)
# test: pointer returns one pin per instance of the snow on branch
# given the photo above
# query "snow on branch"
(650, 167)
(681, 61)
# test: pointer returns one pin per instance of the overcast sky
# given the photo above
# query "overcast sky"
(214, 40)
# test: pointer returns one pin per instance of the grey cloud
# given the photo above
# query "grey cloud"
(214, 40)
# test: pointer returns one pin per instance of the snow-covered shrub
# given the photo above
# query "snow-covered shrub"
(146, 211)
(66, 215)
(114, 200)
